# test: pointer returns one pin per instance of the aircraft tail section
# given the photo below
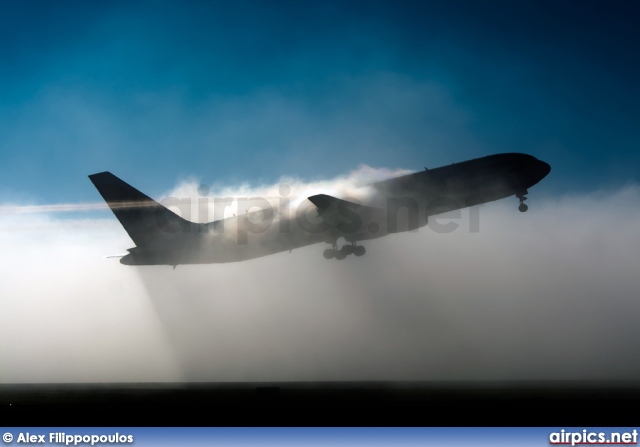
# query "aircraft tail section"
(144, 219)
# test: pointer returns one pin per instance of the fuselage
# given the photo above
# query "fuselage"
(399, 204)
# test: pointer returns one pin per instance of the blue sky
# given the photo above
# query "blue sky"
(229, 92)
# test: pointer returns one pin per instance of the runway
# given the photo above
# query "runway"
(362, 404)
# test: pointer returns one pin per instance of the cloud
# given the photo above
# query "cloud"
(69, 315)
(191, 195)
(548, 294)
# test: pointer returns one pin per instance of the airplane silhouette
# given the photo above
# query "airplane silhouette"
(403, 203)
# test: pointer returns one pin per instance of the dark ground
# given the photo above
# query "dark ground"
(322, 404)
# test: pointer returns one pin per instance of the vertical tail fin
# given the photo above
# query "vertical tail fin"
(144, 219)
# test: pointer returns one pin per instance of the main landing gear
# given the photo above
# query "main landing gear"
(521, 196)
(346, 250)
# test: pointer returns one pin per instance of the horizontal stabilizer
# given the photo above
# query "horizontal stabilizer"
(122, 255)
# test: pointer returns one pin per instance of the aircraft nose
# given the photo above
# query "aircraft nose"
(543, 169)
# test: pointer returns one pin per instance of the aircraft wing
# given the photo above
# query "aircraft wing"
(323, 201)
(337, 211)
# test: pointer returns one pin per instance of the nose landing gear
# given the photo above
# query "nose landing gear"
(521, 196)
(523, 207)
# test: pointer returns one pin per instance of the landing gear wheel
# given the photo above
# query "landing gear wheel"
(329, 253)
(340, 255)
(521, 196)
(359, 250)
(347, 249)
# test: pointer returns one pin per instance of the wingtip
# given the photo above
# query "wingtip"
(320, 200)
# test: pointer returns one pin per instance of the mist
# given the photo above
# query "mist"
(547, 294)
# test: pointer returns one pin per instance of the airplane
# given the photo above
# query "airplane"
(403, 203)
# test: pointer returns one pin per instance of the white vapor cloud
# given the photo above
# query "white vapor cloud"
(69, 315)
(352, 185)
(548, 294)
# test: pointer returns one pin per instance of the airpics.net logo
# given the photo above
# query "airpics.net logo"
(587, 437)
(348, 215)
